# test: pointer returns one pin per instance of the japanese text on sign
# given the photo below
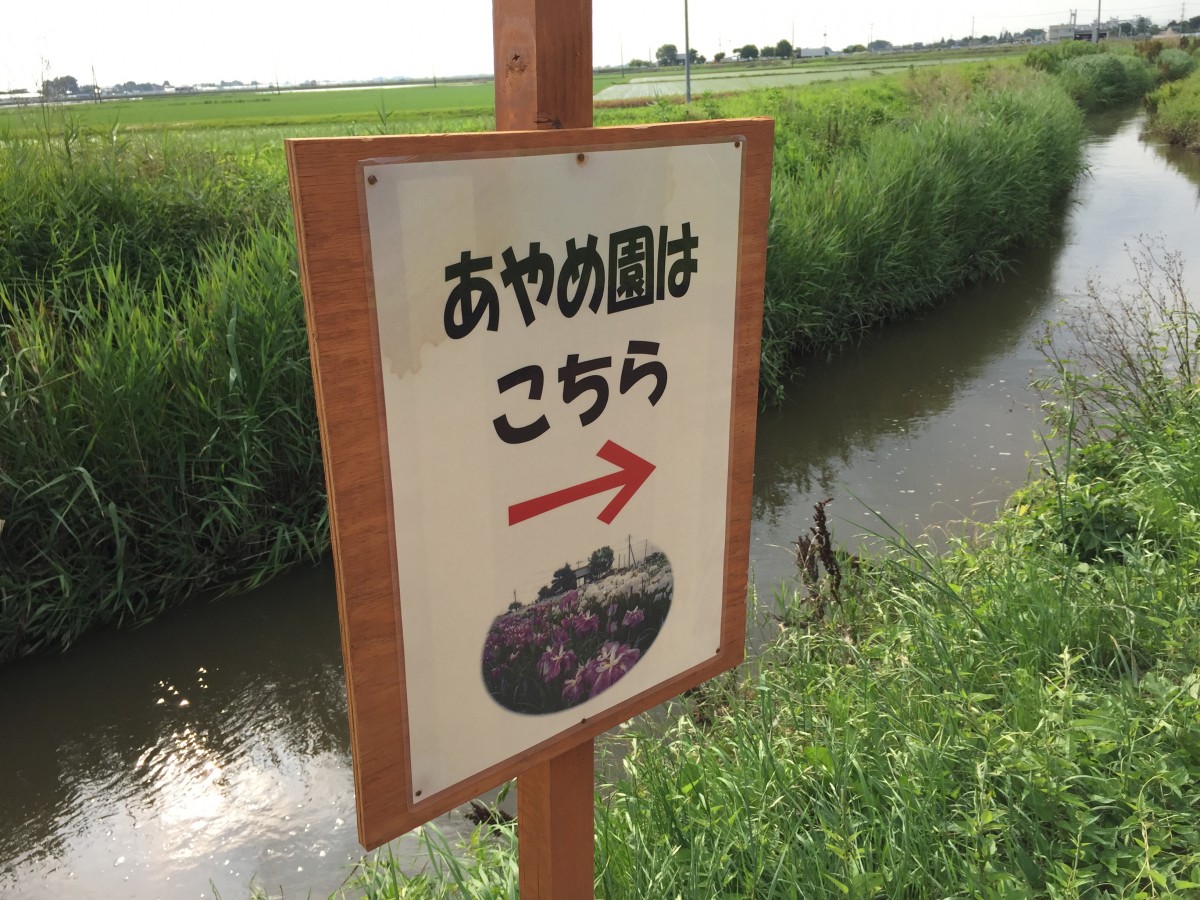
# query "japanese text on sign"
(641, 267)
(637, 275)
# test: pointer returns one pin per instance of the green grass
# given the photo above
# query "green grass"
(157, 428)
(389, 105)
(157, 441)
(1175, 112)
(250, 108)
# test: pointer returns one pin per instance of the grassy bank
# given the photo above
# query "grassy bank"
(1017, 718)
(1100, 76)
(1175, 112)
(156, 427)
(881, 208)
(157, 430)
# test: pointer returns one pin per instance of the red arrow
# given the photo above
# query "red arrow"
(632, 472)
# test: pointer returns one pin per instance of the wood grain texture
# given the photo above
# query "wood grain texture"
(543, 58)
(325, 177)
(555, 826)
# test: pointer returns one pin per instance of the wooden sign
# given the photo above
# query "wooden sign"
(536, 362)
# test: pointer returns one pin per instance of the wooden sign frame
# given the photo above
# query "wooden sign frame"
(325, 178)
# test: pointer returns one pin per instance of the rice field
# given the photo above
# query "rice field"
(748, 79)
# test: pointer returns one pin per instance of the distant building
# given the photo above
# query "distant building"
(811, 52)
(1058, 33)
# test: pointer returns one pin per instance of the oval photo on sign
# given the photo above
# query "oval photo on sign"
(581, 633)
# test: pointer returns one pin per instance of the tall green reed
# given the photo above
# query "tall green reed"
(144, 207)
(153, 441)
(905, 214)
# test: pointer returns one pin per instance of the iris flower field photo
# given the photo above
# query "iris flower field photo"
(582, 633)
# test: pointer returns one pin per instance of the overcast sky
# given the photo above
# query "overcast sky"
(185, 43)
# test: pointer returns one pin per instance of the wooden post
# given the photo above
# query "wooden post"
(556, 837)
(543, 56)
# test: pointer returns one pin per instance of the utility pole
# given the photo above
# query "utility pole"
(687, 57)
(1096, 27)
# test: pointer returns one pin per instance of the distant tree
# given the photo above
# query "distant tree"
(878, 45)
(60, 87)
(695, 58)
(855, 48)
(748, 52)
(718, 57)
(1034, 34)
(514, 606)
(784, 49)
(767, 52)
(564, 580)
(639, 63)
(667, 55)
(545, 591)
(600, 562)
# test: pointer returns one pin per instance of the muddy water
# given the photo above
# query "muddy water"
(210, 750)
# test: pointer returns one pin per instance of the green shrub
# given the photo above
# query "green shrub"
(1174, 64)
(1175, 112)
(1052, 58)
(1106, 79)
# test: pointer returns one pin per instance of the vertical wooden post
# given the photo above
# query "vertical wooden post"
(543, 56)
(556, 837)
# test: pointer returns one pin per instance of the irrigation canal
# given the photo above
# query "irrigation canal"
(211, 747)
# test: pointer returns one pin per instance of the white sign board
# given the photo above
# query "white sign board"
(555, 343)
